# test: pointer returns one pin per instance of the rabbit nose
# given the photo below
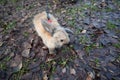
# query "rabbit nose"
(68, 44)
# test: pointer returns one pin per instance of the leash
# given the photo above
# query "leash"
(48, 11)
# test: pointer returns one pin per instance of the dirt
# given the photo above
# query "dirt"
(94, 52)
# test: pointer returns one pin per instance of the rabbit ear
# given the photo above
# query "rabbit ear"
(48, 26)
(68, 30)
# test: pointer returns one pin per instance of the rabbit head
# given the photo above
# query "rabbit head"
(61, 38)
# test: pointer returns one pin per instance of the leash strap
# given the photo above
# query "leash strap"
(47, 10)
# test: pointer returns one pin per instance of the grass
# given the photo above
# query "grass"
(97, 61)
(63, 62)
(26, 34)
(110, 25)
(2, 2)
(19, 8)
(65, 50)
(88, 48)
(3, 63)
(14, 1)
(9, 26)
(117, 45)
(108, 9)
(71, 23)
(84, 39)
(17, 75)
(72, 13)
(117, 2)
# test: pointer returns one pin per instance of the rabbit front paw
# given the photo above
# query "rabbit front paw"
(52, 51)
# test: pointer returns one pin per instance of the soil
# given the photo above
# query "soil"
(94, 52)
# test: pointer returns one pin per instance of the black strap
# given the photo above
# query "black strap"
(47, 10)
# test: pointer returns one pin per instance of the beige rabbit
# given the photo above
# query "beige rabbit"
(52, 34)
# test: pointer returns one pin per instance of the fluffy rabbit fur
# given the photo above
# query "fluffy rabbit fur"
(52, 34)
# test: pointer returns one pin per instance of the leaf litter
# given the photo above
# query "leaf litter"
(93, 53)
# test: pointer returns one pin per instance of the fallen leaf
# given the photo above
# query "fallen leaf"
(84, 31)
(72, 71)
(1, 43)
(15, 64)
(64, 70)
(27, 45)
(45, 77)
(90, 76)
(26, 53)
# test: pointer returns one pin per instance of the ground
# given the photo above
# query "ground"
(94, 51)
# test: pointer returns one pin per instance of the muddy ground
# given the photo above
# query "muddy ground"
(94, 52)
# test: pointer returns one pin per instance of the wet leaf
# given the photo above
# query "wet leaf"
(26, 53)
(27, 45)
(15, 64)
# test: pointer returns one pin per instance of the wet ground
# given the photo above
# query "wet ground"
(94, 52)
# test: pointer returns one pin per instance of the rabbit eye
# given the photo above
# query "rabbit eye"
(61, 40)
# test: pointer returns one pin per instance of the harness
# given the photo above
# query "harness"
(47, 11)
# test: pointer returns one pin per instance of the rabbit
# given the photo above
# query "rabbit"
(52, 34)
